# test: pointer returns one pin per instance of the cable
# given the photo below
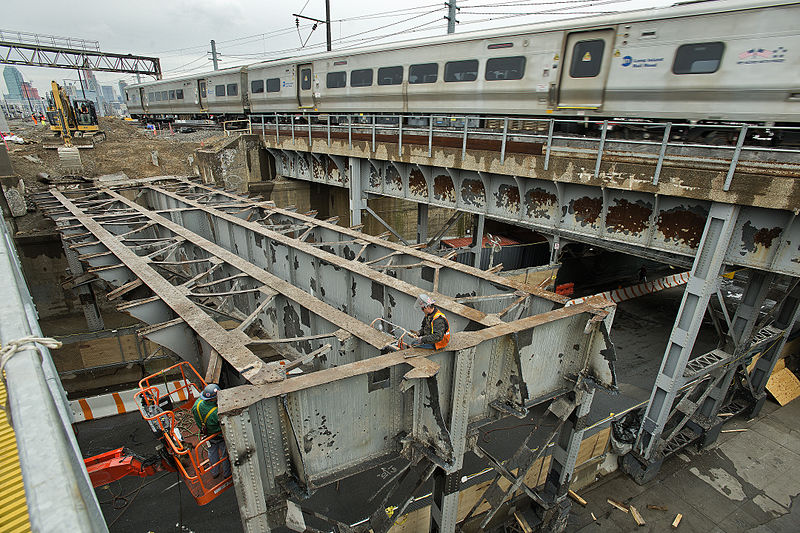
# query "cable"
(485, 437)
(136, 491)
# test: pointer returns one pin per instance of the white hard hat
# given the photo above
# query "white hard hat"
(423, 300)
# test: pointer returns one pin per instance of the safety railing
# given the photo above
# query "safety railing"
(721, 143)
(183, 447)
(237, 126)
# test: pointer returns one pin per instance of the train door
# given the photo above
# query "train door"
(201, 94)
(587, 58)
(145, 102)
(305, 85)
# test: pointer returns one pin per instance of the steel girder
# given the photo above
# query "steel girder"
(223, 278)
(37, 55)
(662, 227)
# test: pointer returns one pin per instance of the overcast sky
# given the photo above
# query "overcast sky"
(179, 31)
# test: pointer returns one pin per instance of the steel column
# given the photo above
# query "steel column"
(785, 317)
(422, 223)
(357, 203)
(702, 284)
(477, 240)
(744, 320)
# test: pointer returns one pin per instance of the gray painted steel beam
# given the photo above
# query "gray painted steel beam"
(664, 227)
(702, 284)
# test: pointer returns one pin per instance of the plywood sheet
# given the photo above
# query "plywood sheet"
(783, 386)
(100, 352)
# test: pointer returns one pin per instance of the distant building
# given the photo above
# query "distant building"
(14, 81)
(108, 93)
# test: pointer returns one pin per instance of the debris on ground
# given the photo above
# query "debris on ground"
(618, 505)
(637, 517)
(126, 151)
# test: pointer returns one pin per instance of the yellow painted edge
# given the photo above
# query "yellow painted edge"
(13, 505)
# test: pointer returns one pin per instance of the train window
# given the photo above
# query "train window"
(151, 97)
(164, 95)
(179, 94)
(203, 93)
(172, 95)
(335, 80)
(423, 73)
(305, 79)
(233, 89)
(466, 70)
(699, 58)
(587, 58)
(257, 86)
(505, 68)
(361, 78)
(273, 85)
(219, 90)
(390, 75)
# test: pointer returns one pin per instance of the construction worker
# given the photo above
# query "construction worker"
(434, 334)
(206, 418)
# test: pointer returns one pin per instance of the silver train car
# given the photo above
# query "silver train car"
(718, 60)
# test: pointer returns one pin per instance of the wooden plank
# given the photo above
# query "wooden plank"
(586, 450)
(618, 505)
(783, 386)
(523, 524)
(100, 352)
(214, 367)
(637, 517)
(574, 496)
(677, 520)
(657, 507)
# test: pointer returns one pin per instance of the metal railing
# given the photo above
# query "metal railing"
(658, 142)
(37, 39)
(57, 488)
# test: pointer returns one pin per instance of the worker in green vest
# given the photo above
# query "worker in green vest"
(206, 418)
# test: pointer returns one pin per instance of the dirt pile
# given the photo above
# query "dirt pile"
(128, 148)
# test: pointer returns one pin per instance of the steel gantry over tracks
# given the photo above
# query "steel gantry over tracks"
(35, 50)
(277, 307)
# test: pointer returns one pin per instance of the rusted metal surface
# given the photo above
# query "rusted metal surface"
(443, 189)
(586, 210)
(682, 226)
(619, 206)
(628, 217)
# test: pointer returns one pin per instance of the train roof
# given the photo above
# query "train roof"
(681, 9)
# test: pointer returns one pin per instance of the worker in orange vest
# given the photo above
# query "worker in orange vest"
(434, 334)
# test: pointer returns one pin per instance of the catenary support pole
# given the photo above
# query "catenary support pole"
(451, 16)
(214, 54)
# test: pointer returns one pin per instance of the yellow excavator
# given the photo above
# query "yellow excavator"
(71, 120)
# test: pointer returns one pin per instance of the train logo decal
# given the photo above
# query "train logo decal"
(755, 56)
(644, 62)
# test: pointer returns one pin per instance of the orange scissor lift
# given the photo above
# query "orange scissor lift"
(183, 451)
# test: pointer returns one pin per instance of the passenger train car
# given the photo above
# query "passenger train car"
(718, 60)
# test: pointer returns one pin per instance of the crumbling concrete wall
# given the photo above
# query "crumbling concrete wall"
(233, 163)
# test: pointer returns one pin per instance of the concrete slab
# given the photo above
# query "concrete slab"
(746, 481)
